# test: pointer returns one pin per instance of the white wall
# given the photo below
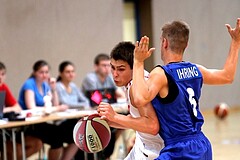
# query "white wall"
(56, 30)
(209, 39)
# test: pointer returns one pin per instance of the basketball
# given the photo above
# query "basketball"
(91, 134)
(221, 110)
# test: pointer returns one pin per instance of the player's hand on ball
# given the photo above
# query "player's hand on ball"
(106, 111)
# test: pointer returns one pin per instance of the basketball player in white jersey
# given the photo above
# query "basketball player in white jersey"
(143, 119)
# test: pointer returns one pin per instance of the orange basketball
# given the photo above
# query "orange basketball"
(221, 110)
(91, 134)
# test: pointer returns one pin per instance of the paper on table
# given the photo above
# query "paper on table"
(2, 122)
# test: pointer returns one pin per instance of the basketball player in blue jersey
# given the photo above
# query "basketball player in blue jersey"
(175, 89)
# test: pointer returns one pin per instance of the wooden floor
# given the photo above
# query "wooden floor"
(224, 135)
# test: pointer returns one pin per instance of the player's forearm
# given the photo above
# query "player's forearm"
(116, 125)
(139, 87)
(141, 124)
(231, 62)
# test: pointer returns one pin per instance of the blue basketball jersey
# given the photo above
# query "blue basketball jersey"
(182, 116)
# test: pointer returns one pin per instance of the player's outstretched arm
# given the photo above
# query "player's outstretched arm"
(227, 74)
(143, 91)
(147, 123)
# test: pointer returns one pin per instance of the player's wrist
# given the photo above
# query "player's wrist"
(235, 44)
(138, 61)
(115, 118)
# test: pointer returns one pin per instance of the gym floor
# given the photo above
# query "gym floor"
(223, 134)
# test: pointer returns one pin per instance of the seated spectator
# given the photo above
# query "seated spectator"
(69, 94)
(101, 77)
(32, 95)
(68, 91)
(32, 144)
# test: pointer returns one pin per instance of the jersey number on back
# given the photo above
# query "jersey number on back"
(192, 100)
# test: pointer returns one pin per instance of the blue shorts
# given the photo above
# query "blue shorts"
(194, 147)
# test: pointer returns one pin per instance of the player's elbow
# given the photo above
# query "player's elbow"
(154, 129)
(229, 79)
(139, 101)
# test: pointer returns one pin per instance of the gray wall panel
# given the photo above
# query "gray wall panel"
(56, 30)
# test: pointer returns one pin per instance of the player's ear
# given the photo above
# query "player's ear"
(165, 43)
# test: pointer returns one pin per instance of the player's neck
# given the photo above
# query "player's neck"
(172, 57)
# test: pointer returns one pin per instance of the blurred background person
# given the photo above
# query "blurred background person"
(34, 91)
(101, 78)
(32, 145)
(68, 92)
(70, 95)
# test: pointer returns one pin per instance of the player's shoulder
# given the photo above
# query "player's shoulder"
(201, 68)
(157, 71)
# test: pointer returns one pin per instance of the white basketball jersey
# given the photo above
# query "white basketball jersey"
(150, 142)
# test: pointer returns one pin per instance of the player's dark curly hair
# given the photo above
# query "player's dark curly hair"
(123, 51)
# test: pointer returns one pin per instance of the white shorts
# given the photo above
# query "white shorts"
(141, 151)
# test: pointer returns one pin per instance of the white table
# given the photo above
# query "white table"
(13, 125)
(39, 117)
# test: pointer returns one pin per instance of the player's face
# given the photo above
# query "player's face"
(2, 76)
(42, 74)
(121, 71)
(104, 68)
(68, 74)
